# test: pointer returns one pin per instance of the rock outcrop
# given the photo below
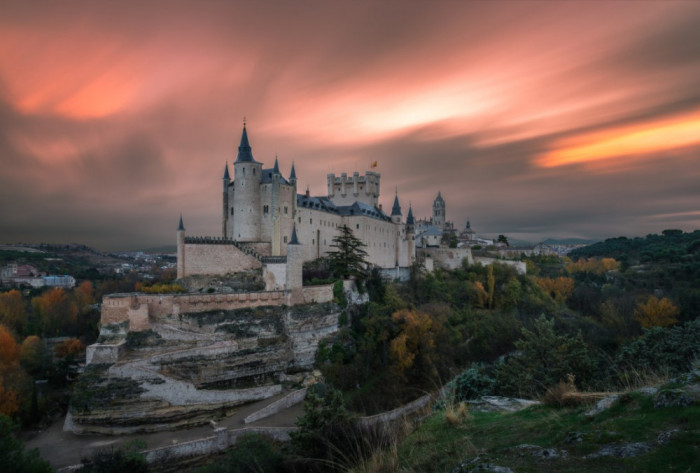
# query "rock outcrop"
(190, 367)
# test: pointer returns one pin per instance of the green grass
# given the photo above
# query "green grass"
(438, 446)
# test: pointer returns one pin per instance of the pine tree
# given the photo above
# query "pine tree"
(348, 259)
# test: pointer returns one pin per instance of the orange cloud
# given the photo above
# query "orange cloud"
(641, 139)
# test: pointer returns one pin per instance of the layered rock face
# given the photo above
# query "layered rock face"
(190, 367)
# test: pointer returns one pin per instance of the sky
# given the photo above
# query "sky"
(533, 119)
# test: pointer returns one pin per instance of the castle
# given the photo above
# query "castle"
(264, 218)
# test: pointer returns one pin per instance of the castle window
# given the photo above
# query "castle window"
(313, 241)
(244, 171)
(253, 170)
(285, 210)
(285, 238)
(311, 221)
(299, 219)
(266, 209)
(357, 226)
(231, 210)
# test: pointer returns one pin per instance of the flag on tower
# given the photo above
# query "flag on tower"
(374, 164)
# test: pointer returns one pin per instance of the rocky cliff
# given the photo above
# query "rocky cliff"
(190, 367)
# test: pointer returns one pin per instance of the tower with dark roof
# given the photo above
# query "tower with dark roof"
(245, 209)
(224, 220)
(181, 249)
(396, 210)
(439, 211)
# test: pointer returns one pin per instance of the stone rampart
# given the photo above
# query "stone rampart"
(449, 258)
(217, 259)
(519, 266)
(422, 403)
(142, 309)
(104, 353)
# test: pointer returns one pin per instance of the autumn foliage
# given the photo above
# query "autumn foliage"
(72, 346)
(56, 311)
(9, 367)
(13, 310)
(593, 265)
(558, 288)
(655, 312)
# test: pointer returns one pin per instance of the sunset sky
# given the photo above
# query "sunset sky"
(534, 119)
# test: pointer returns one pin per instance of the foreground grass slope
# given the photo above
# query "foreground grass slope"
(671, 436)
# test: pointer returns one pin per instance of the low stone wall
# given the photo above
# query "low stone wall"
(398, 413)
(287, 401)
(275, 276)
(219, 442)
(104, 353)
(519, 266)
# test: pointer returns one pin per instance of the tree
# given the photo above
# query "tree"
(348, 260)
(544, 359)
(13, 457)
(84, 296)
(491, 284)
(9, 372)
(655, 312)
(558, 289)
(503, 239)
(324, 416)
(13, 311)
(57, 313)
(32, 354)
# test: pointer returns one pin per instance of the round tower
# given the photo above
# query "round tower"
(411, 235)
(439, 211)
(247, 175)
(180, 250)
(224, 221)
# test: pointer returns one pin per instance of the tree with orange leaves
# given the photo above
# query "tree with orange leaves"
(655, 312)
(69, 347)
(13, 311)
(413, 348)
(9, 369)
(84, 296)
(558, 289)
(57, 312)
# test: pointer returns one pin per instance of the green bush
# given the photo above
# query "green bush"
(471, 383)
(13, 457)
(670, 350)
(252, 453)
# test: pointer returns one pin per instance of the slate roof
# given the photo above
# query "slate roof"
(245, 153)
(324, 204)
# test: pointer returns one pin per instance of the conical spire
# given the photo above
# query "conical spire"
(396, 209)
(181, 227)
(276, 169)
(439, 197)
(226, 174)
(410, 220)
(293, 174)
(294, 240)
(469, 225)
(245, 153)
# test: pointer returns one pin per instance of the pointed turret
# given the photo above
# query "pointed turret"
(396, 209)
(227, 176)
(181, 227)
(293, 174)
(294, 240)
(276, 168)
(180, 249)
(410, 220)
(245, 153)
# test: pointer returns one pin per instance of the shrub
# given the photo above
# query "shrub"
(662, 349)
(471, 383)
(252, 453)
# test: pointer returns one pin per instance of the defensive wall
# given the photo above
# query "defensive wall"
(519, 266)
(139, 309)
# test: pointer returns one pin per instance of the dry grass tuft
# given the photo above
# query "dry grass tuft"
(565, 394)
(457, 414)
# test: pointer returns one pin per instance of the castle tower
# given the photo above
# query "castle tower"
(295, 261)
(180, 250)
(275, 208)
(439, 211)
(246, 197)
(224, 223)
(396, 209)
(293, 182)
(411, 235)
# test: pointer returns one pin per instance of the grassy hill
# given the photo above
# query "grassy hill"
(641, 431)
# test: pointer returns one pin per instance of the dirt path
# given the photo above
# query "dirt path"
(64, 449)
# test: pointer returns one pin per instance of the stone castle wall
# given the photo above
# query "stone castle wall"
(140, 310)
(216, 259)
(448, 258)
